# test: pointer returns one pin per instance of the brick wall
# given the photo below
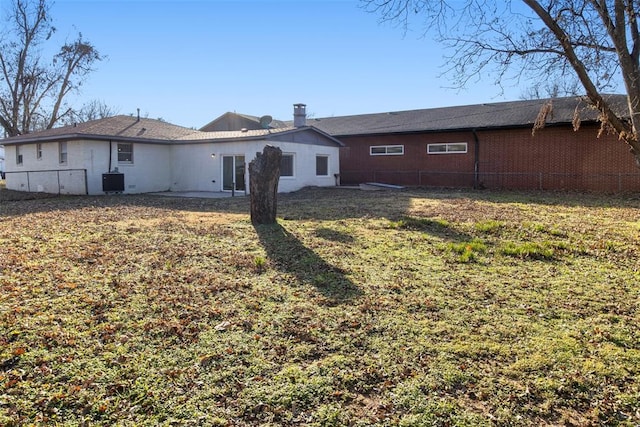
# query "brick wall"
(554, 158)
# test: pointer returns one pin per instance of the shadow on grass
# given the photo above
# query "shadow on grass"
(290, 255)
(333, 235)
(434, 227)
(309, 203)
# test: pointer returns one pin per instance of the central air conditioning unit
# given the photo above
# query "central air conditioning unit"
(113, 182)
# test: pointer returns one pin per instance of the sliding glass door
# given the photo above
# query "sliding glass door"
(233, 173)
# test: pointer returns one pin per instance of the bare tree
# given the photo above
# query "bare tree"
(92, 110)
(33, 91)
(552, 89)
(595, 43)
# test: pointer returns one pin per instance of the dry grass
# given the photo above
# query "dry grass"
(404, 308)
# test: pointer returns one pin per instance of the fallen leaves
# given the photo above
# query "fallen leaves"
(148, 311)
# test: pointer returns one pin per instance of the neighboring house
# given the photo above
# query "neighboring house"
(233, 121)
(136, 155)
(485, 146)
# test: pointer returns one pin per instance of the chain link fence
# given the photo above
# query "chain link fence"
(67, 181)
(613, 183)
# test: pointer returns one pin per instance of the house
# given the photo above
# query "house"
(486, 146)
(473, 146)
(136, 155)
(233, 121)
(482, 146)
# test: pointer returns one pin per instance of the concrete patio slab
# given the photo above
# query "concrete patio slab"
(199, 194)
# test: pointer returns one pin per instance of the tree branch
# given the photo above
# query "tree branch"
(607, 114)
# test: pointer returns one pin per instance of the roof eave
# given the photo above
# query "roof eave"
(326, 135)
(460, 129)
(266, 136)
(92, 137)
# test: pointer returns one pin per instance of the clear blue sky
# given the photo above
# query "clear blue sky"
(188, 62)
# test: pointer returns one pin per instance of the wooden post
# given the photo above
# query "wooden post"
(264, 174)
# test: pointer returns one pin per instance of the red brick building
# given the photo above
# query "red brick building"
(485, 146)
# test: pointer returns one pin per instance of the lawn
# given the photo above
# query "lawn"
(406, 308)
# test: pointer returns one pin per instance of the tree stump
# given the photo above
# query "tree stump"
(264, 174)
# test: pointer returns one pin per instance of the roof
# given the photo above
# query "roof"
(129, 128)
(116, 127)
(480, 116)
(249, 134)
(235, 121)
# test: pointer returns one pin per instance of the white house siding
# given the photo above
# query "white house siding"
(149, 172)
(304, 164)
(46, 174)
(96, 159)
(156, 167)
(194, 167)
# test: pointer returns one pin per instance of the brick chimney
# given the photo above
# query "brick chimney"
(299, 115)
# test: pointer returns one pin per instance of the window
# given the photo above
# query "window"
(125, 153)
(39, 151)
(386, 150)
(18, 155)
(446, 148)
(322, 165)
(286, 165)
(62, 149)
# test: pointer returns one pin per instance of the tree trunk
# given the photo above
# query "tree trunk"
(264, 174)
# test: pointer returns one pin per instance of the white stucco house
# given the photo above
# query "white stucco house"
(127, 154)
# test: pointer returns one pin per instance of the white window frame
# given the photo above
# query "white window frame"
(124, 162)
(386, 150)
(293, 166)
(39, 151)
(62, 152)
(447, 148)
(326, 159)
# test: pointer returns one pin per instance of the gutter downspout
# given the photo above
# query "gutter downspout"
(476, 160)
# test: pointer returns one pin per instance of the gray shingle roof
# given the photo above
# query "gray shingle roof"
(480, 116)
(234, 134)
(123, 127)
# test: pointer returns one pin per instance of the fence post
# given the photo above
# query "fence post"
(540, 180)
(619, 183)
